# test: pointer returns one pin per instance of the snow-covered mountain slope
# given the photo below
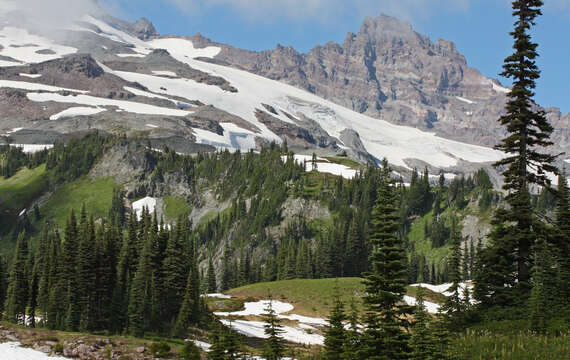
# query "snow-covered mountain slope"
(170, 86)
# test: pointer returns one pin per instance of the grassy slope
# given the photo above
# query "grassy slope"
(423, 245)
(174, 207)
(95, 194)
(19, 190)
(311, 297)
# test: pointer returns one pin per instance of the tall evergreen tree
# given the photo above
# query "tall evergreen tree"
(454, 304)
(274, 347)
(18, 286)
(212, 285)
(528, 131)
(421, 341)
(69, 267)
(386, 316)
(335, 335)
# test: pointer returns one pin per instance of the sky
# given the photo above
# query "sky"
(480, 28)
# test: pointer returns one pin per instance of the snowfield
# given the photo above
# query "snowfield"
(323, 166)
(164, 73)
(35, 87)
(22, 46)
(380, 138)
(430, 307)
(301, 334)
(76, 111)
(13, 351)
(256, 329)
(219, 296)
(128, 106)
(258, 308)
(32, 148)
(148, 202)
(31, 76)
(465, 100)
(443, 289)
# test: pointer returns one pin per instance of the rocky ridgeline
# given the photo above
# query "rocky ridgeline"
(389, 71)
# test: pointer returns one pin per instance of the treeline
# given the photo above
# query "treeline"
(97, 277)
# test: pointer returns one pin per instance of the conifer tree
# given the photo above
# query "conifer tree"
(86, 275)
(141, 293)
(454, 305)
(386, 316)
(212, 286)
(528, 131)
(175, 271)
(69, 268)
(217, 351)
(274, 347)
(353, 338)
(421, 341)
(335, 335)
(18, 287)
(190, 310)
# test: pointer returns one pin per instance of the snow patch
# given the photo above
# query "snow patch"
(164, 73)
(465, 100)
(233, 138)
(202, 345)
(13, 351)
(35, 87)
(128, 106)
(22, 46)
(185, 48)
(432, 308)
(259, 308)
(131, 55)
(148, 202)
(323, 166)
(219, 296)
(77, 111)
(32, 148)
(151, 126)
(256, 329)
(499, 88)
(31, 76)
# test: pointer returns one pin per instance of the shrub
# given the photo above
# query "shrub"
(160, 349)
(190, 351)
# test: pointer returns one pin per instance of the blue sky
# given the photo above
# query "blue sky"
(478, 27)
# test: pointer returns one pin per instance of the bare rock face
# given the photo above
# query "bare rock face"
(389, 71)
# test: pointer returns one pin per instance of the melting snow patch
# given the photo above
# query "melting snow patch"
(131, 55)
(35, 87)
(465, 100)
(22, 213)
(185, 48)
(219, 296)
(76, 111)
(13, 351)
(432, 308)
(32, 148)
(256, 329)
(151, 126)
(499, 88)
(148, 202)
(22, 46)
(31, 76)
(164, 73)
(202, 345)
(128, 106)
(258, 308)
(323, 166)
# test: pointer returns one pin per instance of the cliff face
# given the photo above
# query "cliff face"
(389, 71)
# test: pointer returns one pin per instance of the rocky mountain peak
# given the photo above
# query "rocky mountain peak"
(144, 29)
